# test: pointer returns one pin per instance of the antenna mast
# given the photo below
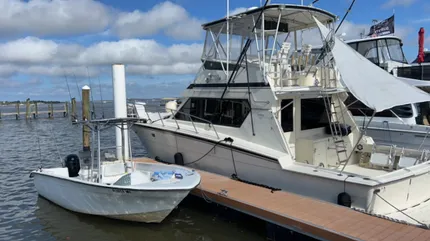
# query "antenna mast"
(228, 38)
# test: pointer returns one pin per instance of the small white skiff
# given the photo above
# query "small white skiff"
(120, 189)
(147, 194)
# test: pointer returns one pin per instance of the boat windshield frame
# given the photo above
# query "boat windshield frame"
(379, 50)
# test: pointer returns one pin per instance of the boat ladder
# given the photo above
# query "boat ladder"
(332, 109)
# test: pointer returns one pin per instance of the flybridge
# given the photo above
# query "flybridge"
(272, 31)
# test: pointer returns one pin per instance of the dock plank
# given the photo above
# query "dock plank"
(303, 214)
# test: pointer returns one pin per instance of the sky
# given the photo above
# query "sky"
(49, 49)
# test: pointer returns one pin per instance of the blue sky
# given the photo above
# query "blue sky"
(42, 41)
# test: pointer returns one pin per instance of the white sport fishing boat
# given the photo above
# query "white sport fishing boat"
(403, 125)
(263, 113)
(117, 187)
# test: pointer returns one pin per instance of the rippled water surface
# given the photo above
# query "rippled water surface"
(26, 216)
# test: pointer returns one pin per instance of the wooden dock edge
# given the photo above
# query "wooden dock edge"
(334, 222)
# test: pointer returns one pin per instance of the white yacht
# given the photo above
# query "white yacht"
(406, 125)
(261, 112)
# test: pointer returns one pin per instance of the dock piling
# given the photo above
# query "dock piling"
(17, 110)
(50, 110)
(27, 109)
(66, 109)
(36, 112)
(74, 114)
(86, 116)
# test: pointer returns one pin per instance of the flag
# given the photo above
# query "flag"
(384, 27)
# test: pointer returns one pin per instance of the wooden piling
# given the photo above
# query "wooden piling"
(27, 109)
(36, 111)
(17, 110)
(86, 115)
(66, 109)
(74, 114)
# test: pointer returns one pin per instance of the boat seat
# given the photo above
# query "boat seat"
(383, 160)
(112, 171)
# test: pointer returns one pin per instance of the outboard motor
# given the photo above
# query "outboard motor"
(73, 165)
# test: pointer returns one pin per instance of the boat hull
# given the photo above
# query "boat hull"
(163, 144)
(149, 206)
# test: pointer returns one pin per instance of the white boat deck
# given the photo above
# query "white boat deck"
(363, 171)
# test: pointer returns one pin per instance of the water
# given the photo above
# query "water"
(26, 216)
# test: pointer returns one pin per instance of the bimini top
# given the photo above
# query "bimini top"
(293, 17)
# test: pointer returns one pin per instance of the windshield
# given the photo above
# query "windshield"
(380, 51)
(395, 50)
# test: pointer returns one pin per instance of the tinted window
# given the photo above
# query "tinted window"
(396, 51)
(314, 114)
(353, 45)
(369, 50)
(228, 112)
(384, 54)
(287, 115)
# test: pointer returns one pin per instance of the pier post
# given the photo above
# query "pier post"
(36, 111)
(17, 110)
(52, 110)
(86, 115)
(74, 114)
(120, 108)
(66, 109)
(27, 109)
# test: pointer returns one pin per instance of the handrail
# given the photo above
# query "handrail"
(204, 120)
(177, 124)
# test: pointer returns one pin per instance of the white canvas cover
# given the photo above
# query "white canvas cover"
(373, 86)
(415, 82)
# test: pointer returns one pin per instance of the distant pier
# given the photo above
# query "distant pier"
(30, 109)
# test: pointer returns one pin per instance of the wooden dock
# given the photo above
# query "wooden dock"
(32, 109)
(311, 217)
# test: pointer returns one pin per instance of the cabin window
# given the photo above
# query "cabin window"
(369, 50)
(287, 115)
(359, 109)
(226, 112)
(395, 50)
(353, 45)
(384, 54)
(314, 114)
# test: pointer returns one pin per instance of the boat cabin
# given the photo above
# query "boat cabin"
(251, 79)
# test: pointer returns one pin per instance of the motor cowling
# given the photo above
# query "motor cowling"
(179, 159)
(73, 165)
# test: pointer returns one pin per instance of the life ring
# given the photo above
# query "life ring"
(360, 147)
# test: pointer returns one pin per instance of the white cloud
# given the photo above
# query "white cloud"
(166, 16)
(43, 18)
(52, 17)
(7, 70)
(32, 55)
(35, 50)
(237, 10)
(394, 3)
(178, 68)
